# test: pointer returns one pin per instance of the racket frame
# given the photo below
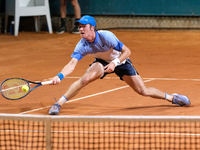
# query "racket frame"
(28, 83)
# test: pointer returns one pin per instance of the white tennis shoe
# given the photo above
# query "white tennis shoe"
(54, 110)
(180, 100)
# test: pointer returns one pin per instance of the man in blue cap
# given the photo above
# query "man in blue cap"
(111, 55)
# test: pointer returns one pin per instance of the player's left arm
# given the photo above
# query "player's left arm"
(125, 53)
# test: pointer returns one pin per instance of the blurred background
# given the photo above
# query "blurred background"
(148, 14)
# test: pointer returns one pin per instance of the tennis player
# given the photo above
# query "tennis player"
(111, 55)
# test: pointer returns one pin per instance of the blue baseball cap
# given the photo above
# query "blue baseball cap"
(86, 20)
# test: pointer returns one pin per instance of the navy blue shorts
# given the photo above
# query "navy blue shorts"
(124, 69)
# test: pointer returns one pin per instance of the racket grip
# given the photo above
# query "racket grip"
(46, 82)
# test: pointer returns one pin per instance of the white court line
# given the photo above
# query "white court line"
(144, 78)
(84, 97)
(168, 79)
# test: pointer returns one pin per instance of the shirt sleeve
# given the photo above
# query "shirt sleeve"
(77, 55)
(119, 46)
(79, 51)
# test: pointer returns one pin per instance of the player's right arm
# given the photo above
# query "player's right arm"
(69, 68)
(78, 54)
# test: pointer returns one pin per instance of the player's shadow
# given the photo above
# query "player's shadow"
(144, 107)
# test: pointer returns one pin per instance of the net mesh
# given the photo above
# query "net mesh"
(99, 133)
(15, 134)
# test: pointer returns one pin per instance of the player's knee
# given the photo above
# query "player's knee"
(143, 92)
(84, 81)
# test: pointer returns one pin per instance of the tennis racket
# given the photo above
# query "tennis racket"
(11, 88)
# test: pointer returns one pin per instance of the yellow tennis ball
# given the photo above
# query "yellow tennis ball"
(25, 88)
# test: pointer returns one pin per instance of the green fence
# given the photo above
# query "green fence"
(133, 7)
(129, 7)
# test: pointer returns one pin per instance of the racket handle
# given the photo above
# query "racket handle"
(46, 82)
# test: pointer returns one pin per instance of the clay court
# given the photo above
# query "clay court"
(165, 59)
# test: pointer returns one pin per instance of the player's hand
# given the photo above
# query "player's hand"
(109, 68)
(56, 80)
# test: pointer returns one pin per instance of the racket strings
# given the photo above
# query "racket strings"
(12, 88)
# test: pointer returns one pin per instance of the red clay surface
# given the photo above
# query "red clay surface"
(171, 57)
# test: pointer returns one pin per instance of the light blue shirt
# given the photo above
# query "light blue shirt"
(106, 46)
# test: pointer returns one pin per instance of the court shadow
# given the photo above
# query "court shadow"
(144, 107)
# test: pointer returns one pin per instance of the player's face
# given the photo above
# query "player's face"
(85, 30)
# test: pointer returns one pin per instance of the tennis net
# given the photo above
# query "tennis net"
(39, 132)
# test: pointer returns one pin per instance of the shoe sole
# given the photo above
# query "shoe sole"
(53, 113)
(75, 32)
(61, 32)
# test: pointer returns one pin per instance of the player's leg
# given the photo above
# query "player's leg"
(128, 73)
(95, 71)
(137, 84)
(62, 28)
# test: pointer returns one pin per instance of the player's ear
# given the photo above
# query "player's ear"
(92, 27)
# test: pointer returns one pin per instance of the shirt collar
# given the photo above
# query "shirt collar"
(97, 37)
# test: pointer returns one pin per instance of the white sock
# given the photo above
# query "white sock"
(62, 100)
(168, 97)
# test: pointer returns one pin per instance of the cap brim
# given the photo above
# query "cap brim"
(82, 22)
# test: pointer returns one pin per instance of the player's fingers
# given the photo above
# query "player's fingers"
(108, 70)
(56, 80)
(105, 67)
